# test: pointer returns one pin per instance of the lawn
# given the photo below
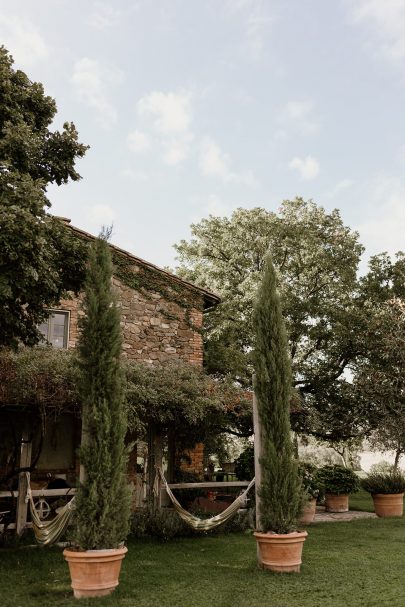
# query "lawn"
(360, 563)
(361, 501)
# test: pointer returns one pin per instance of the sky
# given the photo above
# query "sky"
(195, 107)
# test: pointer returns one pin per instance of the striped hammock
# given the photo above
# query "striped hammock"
(210, 523)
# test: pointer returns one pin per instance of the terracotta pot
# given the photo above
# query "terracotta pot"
(308, 513)
(336, 503)
(388, 504)
(94, 572)
(281, 552)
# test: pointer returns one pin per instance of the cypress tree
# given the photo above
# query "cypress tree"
(103, 500)
(280, 490)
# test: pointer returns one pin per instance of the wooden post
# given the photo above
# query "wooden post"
(258, 450)
(171, 455)
(25, 462)
(151, 463)
(157, 497)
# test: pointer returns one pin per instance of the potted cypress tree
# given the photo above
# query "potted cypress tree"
(281, 497)
(103, 498)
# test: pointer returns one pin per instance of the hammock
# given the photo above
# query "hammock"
(210, 523)
(51, 531)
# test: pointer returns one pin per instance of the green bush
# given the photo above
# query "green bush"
(311, 483)
(338, 480)
(392, 481)
(245, 464)
(165, 524)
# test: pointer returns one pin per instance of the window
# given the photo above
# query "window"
(55, 329)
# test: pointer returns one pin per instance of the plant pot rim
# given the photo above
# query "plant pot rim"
(97, 552)
(271, 534)
(383, 494)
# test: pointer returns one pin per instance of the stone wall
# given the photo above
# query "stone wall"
(154, 329)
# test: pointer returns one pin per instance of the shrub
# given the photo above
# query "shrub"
(245, 464)
(165, 524)
(392, 481)
(311, 482)
(338, 480)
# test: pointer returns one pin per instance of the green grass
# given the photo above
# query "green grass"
(361, 501)
(361, 564)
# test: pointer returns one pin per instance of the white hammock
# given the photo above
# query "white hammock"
(51, 531)
(210, 523)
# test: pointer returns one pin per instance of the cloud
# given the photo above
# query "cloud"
(100, 215)
(91, 82)
(171, 112)
(216, 163)
(138, 142)
(385, 231)
(137, 176)
(342, 185)
(387, 20)
(23, 40)
(177, 150)
(307, 167)
(299, 113)
(257, 22)
(104, 15)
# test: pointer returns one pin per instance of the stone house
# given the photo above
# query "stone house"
(161, 317)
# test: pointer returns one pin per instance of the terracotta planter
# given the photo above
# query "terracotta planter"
(336, 503)
(308, 513)
(388, 504)
(281, 552)
(94, 572)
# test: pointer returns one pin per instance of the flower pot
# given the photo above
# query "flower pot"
(94, 572)
(388, 504)
(336, 503)
(281, 552)
(308, 513)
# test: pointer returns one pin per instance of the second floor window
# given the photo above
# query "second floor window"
(55, 329)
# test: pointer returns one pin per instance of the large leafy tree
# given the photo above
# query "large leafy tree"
(316, 258)
(39, 259)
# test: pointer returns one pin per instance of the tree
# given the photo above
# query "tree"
(316, 259)
(39, 259)
(379, 377)
(280, 488)
(103, 504)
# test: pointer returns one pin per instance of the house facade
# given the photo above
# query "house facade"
(162, 320)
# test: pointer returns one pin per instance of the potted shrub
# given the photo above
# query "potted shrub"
(103, 498)
(387, 490)
(338, 482)
(312, 487)
(279, 541)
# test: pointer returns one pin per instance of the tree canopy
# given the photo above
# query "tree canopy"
(316, 259)
(39, 259)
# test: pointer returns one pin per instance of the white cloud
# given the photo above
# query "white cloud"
(23, 40)
(342, 185)
(307, 167)
(104, 15)
(387, 19)
(138, 142)
(385, 231)
(299, 113)
(216, 206)
(177, 150)
(214, 162)
(137, 176)
(100, 215)
(172, 112)
(91, 82)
